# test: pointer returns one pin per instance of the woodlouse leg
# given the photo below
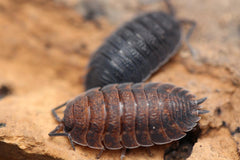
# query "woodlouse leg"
(71, 141)
(189, 33)
(58, 128)
(170, 7)
(149, 152)
(100, 154)
(54, 111)
(123, 153)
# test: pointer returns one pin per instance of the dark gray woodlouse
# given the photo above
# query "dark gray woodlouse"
(137, 49)
(120, 116)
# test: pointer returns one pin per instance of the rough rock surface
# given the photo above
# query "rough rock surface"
(45, 48)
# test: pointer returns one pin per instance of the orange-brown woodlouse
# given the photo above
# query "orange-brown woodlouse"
(128, 116)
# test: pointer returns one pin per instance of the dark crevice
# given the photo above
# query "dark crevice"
(232, 132)
(182, 149)
(237, 130)
(218, 111)
(13, 152)
(4, 91)
(224, 124)
(2, 125)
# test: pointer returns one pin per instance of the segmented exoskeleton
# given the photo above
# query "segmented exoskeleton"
(129, 115)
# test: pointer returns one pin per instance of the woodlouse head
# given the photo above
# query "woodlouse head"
(66, 124)
(68, 119)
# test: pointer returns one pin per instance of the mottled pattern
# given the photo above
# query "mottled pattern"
(131, 115)
(135, 50)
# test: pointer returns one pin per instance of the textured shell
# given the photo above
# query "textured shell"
(135, 50)
(130, 115)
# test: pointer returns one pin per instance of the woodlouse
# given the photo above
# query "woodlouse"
(128, 116)
(137, 49)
